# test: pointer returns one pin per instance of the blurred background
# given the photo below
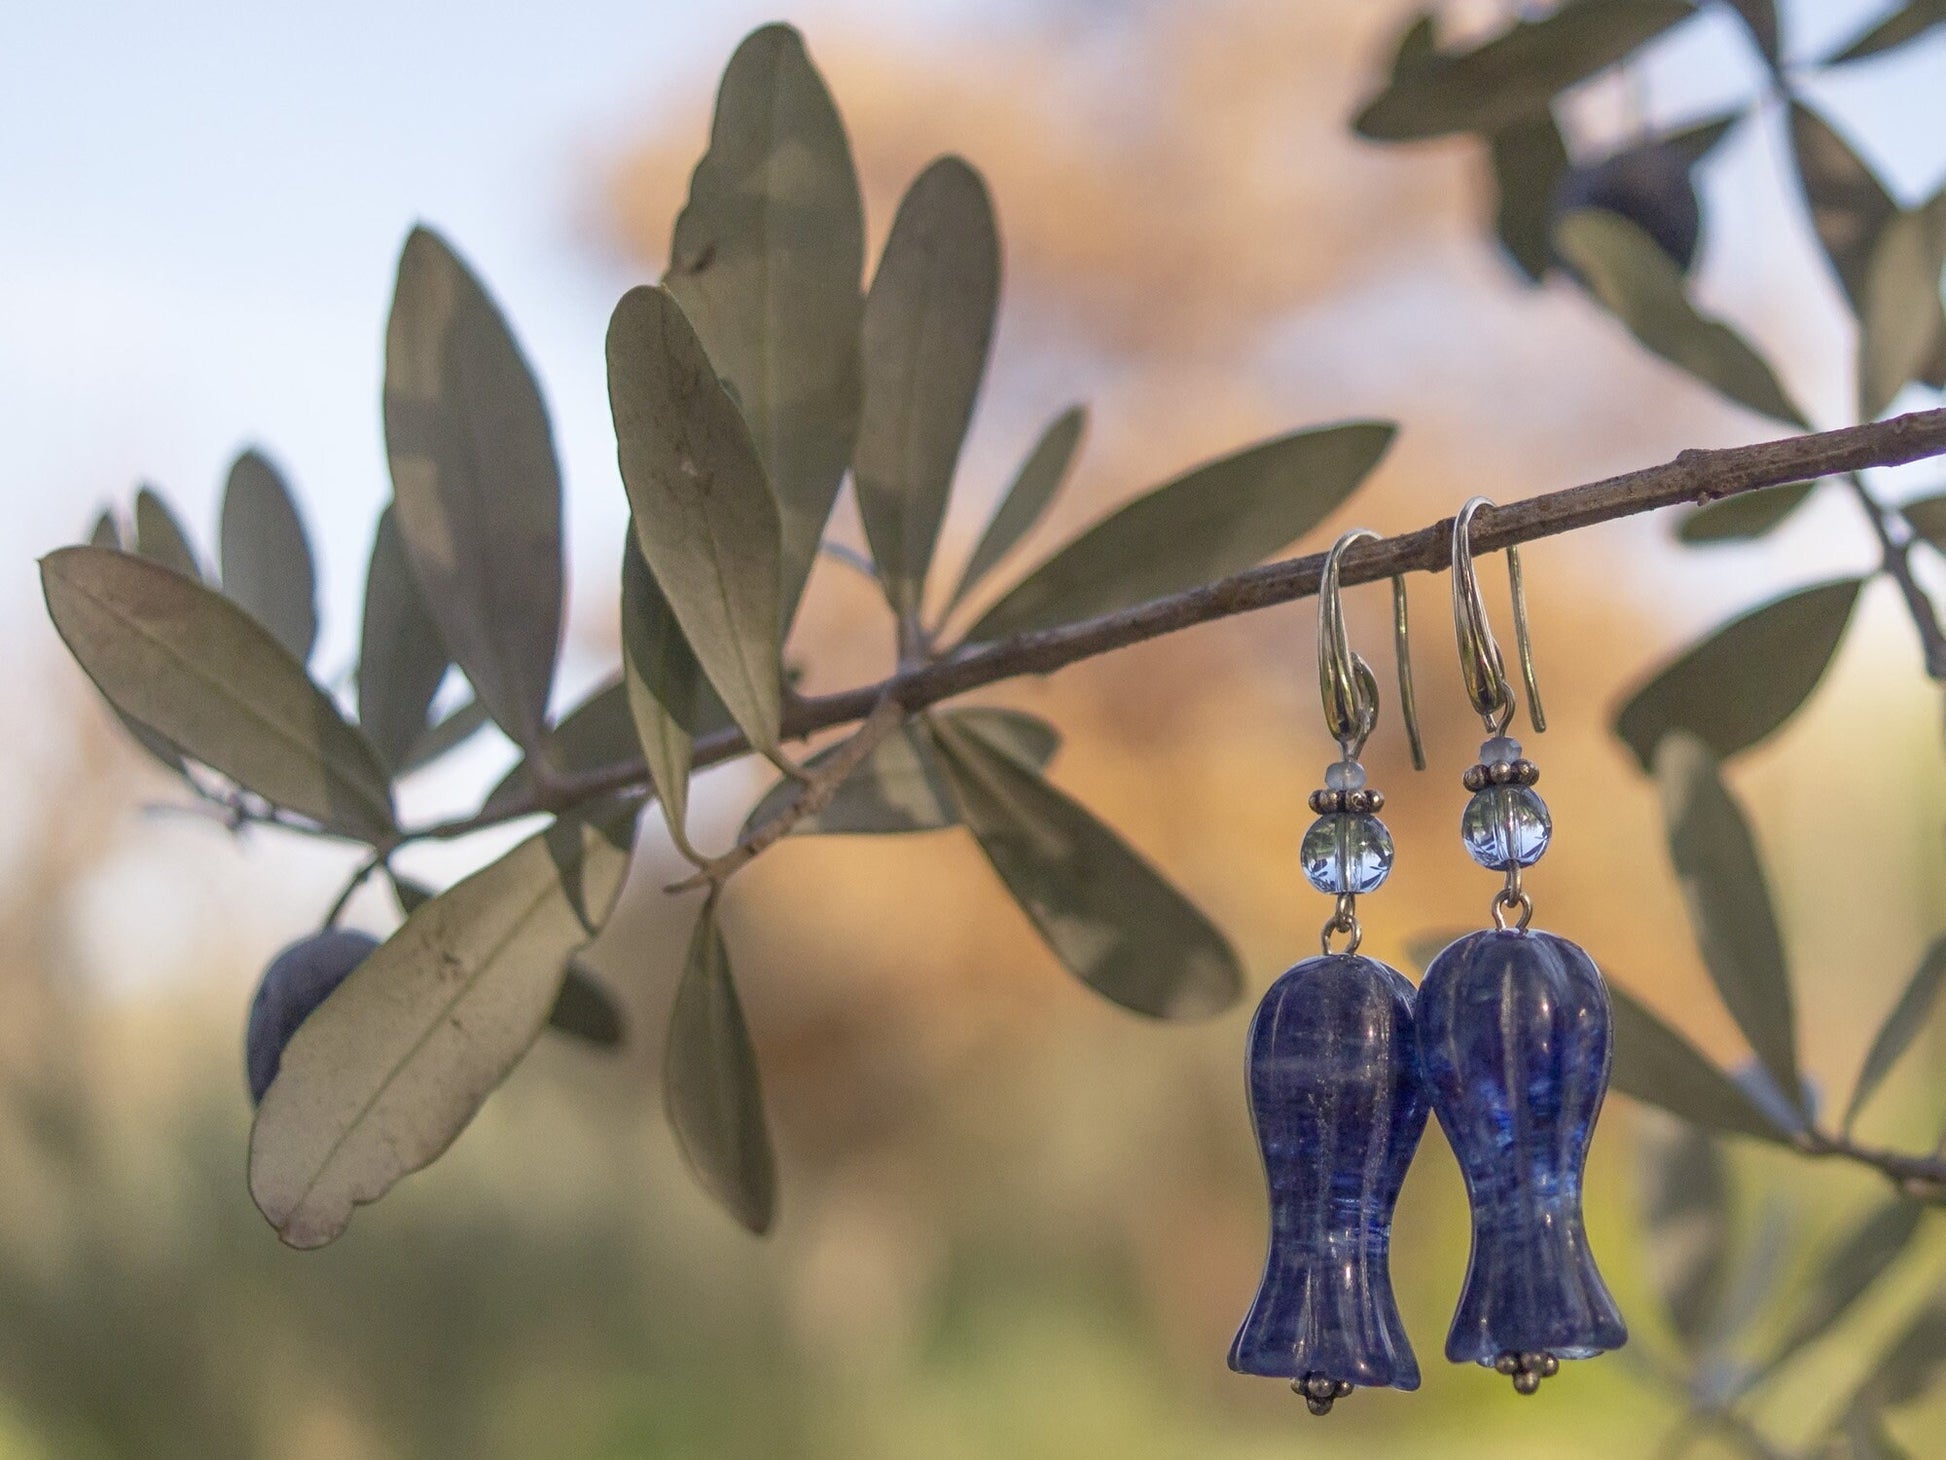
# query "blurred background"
(1017, 1222)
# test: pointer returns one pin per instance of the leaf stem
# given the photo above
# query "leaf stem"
(1896, 563)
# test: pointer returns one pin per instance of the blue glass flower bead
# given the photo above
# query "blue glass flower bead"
(1514, 1046)
(1346, 852)
(1338, 1108)
(1503, 825)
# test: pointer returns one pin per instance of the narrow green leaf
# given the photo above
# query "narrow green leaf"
(1744, 679)
(1643, 288)
(1907, 1369)
(663, 685)
(1760, 16)
(411, 895)
(1842, 1274)
(1034, 485)
(1655, 1064)
(467, 719)
(1518, 73)
(1697, 142)
(1744, 517)
(379, 1081)
(1723, 885)
(1117, 923)
(766, 263)
(900, 786)
(710, 1084)
(1848, 204)
(1908, 23)
(1861, 1435)
(1418, 46)
(928, 323)
(106, 533)
(1900, 324)
(266, 557)
(160, 538)
(1686, 1207)
(475, 482)
(704, 516)
(199, 671)
(1900, 1028)
(1530, 157)
(401, 658)
(1212, 521)
(586, 1010)
(1927, 516)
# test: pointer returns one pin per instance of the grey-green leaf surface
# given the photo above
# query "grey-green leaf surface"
(1686, 1208)
(1743, 517)
(266, 557)
(1697, 142)
(1901, 1027)
(1212, 521)
(1028, 497)
(401, 658)
(1760, 16)
(199, 671)
(1418, 46)
(1900, 324)
(1842, 1274)
(1745, 678)
(663, 684)
(1108, 915)
(106, 533)
(1655, 1064)
(900, 786)
(1530, 157)
(1516, 74)
(584, 1009)
(1849, 206)
(475, 483)
(1643, 288)
(704, 515)
(711, 1087)
(1723, 885)
(378, 1082)
(160, 538)
(766, 263)
(928, 324)
(1927, 515)
(1907, 1369)
(449, 732)
(1907, 23)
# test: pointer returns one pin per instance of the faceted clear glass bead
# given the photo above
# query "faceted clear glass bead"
(1346, 853)
(1501, 747)
(1504, 825)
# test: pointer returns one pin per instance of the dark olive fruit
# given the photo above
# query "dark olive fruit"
(1651, 187)
(297, 981)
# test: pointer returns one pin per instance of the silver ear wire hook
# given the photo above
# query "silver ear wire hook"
(1481, 664)
(1345, 680)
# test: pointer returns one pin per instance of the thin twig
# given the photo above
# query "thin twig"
(357, 880)
(1896, 557)
(1922, 1178)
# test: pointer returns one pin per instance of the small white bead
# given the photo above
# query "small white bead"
(1346, 775)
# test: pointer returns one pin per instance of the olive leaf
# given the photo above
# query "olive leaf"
(1900, 1028)
(710, 1084)
(1906, 1369)
(401, 658)
(1760, 16)
(1746, 677)
(1518, 73)
(107, 534)
(1843, 1273)
(1117, 923)
(1212, 521)
(1861, 1432)
(1910, 21)
(1697, 142)
(1418, 46)
(1723, 884)
(1686, 1206)
(1033, 488)
(1849, 206)
(704, 515)
(190, 665)
(663, 685)
(476, 488)
(766, 262)
(394, 1064)
(1743, 517)
(448, 733)
(1901, 328)
(1927, 517)
(928, 324)
(1655, 1064)
(266, 558)
(1530, 157)
(160, 538)
(1643, 287)
(586, 1010)
(900, 785)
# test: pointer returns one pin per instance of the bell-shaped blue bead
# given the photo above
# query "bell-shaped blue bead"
(1514, 1042)
(1338, 1107)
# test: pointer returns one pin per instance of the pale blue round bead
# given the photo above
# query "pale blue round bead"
(1345, 775)
(1505, 826)
(1343, 852)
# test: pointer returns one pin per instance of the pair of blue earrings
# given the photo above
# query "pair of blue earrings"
(1507, 1040)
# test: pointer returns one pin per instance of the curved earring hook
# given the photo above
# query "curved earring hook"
(1345, 680)
(1481, 664)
